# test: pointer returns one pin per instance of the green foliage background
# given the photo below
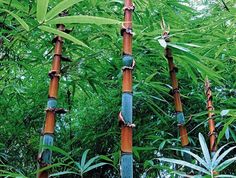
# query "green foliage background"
(203, 44)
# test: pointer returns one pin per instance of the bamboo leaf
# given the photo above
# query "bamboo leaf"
(42, 6)
(84, 158)
(62, 34)
(217, 154)
(162, 43)
(94, 166)
(181, 48)
(224, 112)
(222, 156)
(60, 7)
(22, 6)
(89, 162)
(222, 132)
(225, 164)
(200, 160)
(223, 175)
(62, 173)
(20, 20)
(83, 19)
(184, 163)
(204, 149)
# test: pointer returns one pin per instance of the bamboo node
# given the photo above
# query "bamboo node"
(129, 8)
(174, 91)
(56, 110)
(54, 73)
(123, 123)
(213, 133)
(126, 30)
(57, 39)
(175, 70)
(130, 67)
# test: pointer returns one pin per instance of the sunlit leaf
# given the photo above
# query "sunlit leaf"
(83, 19)
(62, 34)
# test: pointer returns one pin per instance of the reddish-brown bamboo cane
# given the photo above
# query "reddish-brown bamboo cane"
(211, 122)
(125, 116)
(45, 154)
(176, 93)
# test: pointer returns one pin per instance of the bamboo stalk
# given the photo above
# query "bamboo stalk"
(45, 155)
(176, 94)
(125, 116)
(211, 122)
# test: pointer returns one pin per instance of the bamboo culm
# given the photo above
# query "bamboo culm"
(45, 154)
(211, 122)
(126, 114)
(176, 93)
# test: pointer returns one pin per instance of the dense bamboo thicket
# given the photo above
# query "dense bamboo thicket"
(99, 82)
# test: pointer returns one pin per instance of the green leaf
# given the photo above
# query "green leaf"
(60, 7)
(89, 162)
(105, 158)
(55, 149)
(222, 156)
(94, 166)
(20, 20)
(42, 6)
(222, 132)
(181, 48)
(224, 112)
(84, 158)
(62, 173)
(81, 19)
(205, 150)
(225, 164)
(200, 160)
(62, 34)
(184, 163)
(223, 175)
(22, 6)
(217, 154)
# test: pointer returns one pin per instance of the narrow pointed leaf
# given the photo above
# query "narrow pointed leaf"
(42, 6)
(60, 7)
(62, 173)
(184, 163)
(217, 153)
(89, 162)
(222, 176)
(84, 158)
(94, 166)
(225, 164)
(181, 48)
(20, 20)
(222, 156)
(204, 149)
(200, 160)
(222, 132)
(83, 19)
(62, 34)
